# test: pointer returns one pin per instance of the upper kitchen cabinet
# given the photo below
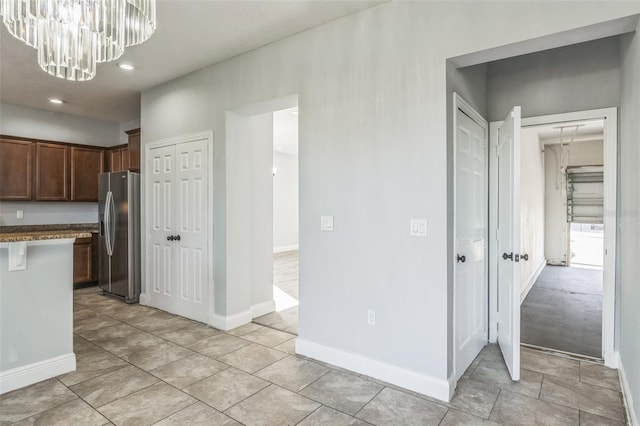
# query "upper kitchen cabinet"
(16, 166)
(134, 149)
(86, 164)
(114, 160)
(52, 169)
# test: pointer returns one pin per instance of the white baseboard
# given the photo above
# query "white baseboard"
(282, 249)
(627, 396)
(533, 279)
(263, 308)
(417, 382)
(230, 322)
(20, 377)
(144, 299)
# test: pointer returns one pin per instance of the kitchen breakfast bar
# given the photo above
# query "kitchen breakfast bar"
(36, 305)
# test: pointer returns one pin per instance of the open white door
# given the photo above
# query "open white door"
(509, 241)
(470, 280)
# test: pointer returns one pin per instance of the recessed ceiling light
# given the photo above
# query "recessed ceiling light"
(56, 101)
(127, 67)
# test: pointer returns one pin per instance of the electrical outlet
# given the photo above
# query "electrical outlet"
(371, 317)
(19, 214)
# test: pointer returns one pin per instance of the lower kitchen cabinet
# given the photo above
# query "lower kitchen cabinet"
(85, 260)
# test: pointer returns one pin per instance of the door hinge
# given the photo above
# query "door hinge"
(486, 143)
(498, 151)
(497, 234)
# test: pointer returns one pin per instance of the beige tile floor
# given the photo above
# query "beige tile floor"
(140, 366)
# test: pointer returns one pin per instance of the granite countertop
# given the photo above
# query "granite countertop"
(11, 234)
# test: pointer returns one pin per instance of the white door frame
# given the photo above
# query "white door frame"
(610, 116)
(464, 106)
(145, 297)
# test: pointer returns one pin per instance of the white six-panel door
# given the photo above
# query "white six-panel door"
(509, 241)
(471, 241)
(177, 229)
(160, 224)
(191, 225)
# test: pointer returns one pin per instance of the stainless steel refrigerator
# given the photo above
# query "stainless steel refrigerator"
(119, 238)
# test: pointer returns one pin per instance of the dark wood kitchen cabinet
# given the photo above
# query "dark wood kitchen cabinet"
(52, 172)
(16, 169)
(115, 158)
(85, 260)
(134, 149)
(86, 164)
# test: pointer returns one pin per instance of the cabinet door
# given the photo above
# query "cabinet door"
(82, 261)
(114, 160)
(125, 158)
(16, 165)
(134, 150)
(86, 165)
(94, 256)
(52, 172)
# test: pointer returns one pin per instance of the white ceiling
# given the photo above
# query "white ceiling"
(285, 131)
(191, 34)
(579, 131)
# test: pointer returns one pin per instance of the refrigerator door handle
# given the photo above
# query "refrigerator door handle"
(107, 223)
(112, 223)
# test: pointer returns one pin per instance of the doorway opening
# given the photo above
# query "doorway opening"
(562, 234)
(285, 223)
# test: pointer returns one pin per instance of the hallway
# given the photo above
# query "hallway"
(563, 311)
(285, 293)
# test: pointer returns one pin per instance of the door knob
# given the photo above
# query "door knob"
(461, 258)
(506, 256)
(524, 256)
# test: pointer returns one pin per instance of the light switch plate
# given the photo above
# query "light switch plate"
(418, 228)
(326, 223)
(19, 214)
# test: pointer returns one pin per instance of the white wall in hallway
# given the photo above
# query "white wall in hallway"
(285, 202)
(373, 154)
(532, 185)
(629, 217)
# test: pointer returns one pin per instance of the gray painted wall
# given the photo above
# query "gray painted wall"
(47, 213)
(40, 124)
(629, 215)
(36, 306)
(574, 78)
(373, 153)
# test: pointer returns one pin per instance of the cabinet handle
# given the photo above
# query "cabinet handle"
(461, 258)
(177, 237)
(170, 238)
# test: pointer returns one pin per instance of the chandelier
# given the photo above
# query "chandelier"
(71, 36)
